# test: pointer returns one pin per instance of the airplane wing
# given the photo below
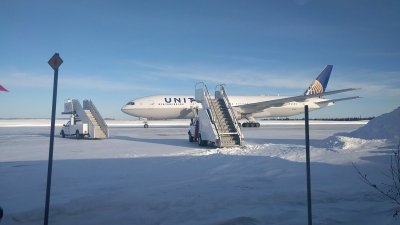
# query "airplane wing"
(337, 100)
(259, 106)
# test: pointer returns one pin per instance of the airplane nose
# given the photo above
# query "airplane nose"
(124, 109)
(129, 108)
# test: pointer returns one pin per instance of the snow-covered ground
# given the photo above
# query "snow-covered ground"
(155, 176)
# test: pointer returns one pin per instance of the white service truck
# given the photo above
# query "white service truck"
(201, 131)
(215, 122)
(75, 127)
(84, 121)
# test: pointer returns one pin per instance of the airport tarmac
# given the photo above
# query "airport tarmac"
(155, 176)
(163, 138)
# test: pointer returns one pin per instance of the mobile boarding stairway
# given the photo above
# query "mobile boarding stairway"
(85, 121)
(215, 122)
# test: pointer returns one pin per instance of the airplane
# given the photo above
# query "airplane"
(245, 107)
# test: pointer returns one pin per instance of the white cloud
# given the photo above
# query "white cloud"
(245, 77)
(375, 82)
(31, 80)
(149, 76)
(22, 79)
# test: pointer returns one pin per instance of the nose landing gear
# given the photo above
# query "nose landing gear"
(145, 123)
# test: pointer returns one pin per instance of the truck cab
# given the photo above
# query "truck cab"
(193, 129)
(75, 127)
(200, 130)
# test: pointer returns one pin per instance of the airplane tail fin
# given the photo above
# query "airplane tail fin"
(320, 83)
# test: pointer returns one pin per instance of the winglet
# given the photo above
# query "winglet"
(3, 89)
(321, 82)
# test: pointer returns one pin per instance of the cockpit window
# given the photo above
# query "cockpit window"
(131, 103)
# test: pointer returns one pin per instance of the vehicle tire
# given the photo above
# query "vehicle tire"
(146, 126)
(257, 124)
(62, 134)
(77, 134)
(200, 141)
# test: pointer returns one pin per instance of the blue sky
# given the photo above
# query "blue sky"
(115, 51)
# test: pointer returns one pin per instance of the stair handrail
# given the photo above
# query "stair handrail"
(99, 119)
(103, 126)
(78, 111)
(214, 115)
(231, 112)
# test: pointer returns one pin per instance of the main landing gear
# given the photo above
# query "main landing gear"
(251, 124)
(146, 124)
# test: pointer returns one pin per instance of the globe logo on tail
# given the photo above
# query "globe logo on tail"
(315, 88)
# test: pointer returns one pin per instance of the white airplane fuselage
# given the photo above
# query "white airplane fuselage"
(247, 107)
(181, 107)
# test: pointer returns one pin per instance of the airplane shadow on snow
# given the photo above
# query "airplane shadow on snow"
(313, 143)
(173, 142)
(186, 143)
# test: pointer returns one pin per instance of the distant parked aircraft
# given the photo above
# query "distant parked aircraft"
(245, 107)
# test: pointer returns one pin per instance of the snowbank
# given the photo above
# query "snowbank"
(350, 143)
(384, 128)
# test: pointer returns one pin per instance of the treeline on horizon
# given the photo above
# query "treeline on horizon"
(327, 119)
(280, 119)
